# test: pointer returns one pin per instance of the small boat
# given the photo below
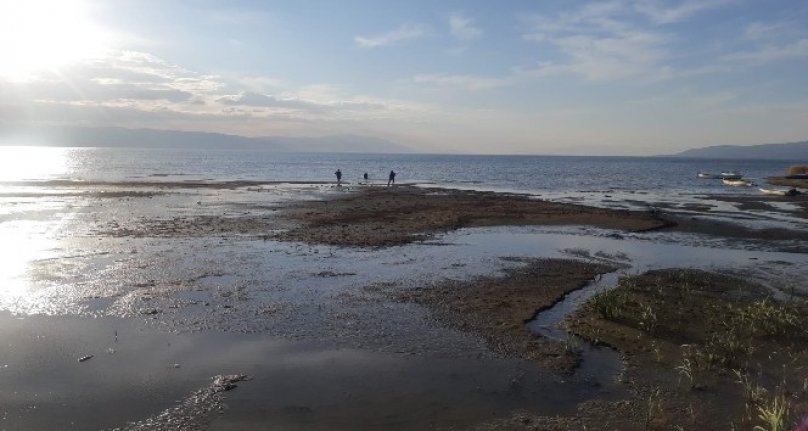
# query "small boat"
(737, 183)
(731, 175)
(707, 176)
(780, 192)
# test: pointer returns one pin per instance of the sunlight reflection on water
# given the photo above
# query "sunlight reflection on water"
(23, 242)
(24, 163)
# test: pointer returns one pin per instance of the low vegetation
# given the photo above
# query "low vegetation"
(718, 352)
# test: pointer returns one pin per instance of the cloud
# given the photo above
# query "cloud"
(463, 28)
(263, 100)
(404, 33)
(612, 40)
(468, 82)
(771, 53)
(662, 13)
(249, 99)
(757, 31)
(597, 45)
(135, 89)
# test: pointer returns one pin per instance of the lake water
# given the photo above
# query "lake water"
(531, 174)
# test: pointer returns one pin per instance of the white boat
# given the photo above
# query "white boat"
(731, 175)
(780, 192)
(707, 176)
(737, 183)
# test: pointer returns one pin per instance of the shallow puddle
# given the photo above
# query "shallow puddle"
(135, 372)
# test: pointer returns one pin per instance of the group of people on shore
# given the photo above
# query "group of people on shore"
(391, 178)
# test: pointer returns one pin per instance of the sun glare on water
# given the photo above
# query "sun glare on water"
(40, 35)
(31, 163)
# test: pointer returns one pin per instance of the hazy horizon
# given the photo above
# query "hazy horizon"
(611, 77)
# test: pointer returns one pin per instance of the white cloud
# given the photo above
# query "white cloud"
(771, 53)
(468, 82)
(662, 13)
(757, 31)
(612, 40)
(597, 44)
(619, 56)
(463, 28)
(404, 33)
(139, 89)
(259, 84)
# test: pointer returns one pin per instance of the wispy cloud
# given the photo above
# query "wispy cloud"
(139, 89)
(598, 45)
(463, 28)
(614, 39)
(404, 33)
(776, 31)
(663, 13)
(468, 82)
(622, 55)
(770, 53)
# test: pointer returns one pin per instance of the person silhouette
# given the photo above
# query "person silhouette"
(392, 178)
(365, 176)
(339, 177)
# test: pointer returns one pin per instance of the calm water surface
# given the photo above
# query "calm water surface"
(533, 174)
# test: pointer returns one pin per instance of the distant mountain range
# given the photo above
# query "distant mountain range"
(793, 151)
(152, 138)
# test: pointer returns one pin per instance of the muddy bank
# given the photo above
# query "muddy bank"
(703, 352)
(194, 412)
(796, 206)
(763, 202)
(789, 182)
(496, 308)
(382, 216)
(780, 238)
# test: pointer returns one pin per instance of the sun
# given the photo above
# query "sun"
(46, 35)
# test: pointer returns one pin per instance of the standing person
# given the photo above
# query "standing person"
(365, 176)
(392, 178)
(339, 177)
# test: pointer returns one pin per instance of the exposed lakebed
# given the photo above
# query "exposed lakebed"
(315, 326)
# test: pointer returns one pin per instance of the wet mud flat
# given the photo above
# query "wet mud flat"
(498, 308)
(384, 216)
(425, 326)
(789, 182)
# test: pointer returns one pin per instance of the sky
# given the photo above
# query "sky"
(608, 77)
